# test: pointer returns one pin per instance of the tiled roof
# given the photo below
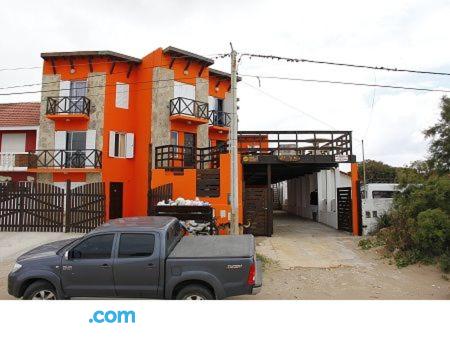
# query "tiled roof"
(19, 114)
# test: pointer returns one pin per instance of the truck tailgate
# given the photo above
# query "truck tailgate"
(216, 246)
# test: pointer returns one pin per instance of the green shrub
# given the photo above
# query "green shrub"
(444, 262)
(432, 233)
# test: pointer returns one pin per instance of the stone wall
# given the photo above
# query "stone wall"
(162, 93)
(50, 87)
(201, 94)
(96, 93)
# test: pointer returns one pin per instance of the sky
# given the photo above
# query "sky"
(402, 34)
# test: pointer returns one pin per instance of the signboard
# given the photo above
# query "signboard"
(290, 158)
(340, 158)
(250, 159)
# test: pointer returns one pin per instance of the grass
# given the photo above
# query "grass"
(266, 261)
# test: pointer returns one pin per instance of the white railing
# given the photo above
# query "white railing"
(8, 162)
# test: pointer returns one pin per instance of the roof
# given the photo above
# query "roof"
(136, 223)
(219, 73)
(19, 114)
(112, 54)
(180, 52)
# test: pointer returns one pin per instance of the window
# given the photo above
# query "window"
(173, 138)
(122, 95)
(121, 144)
(136, 245)
(173, 233)
(76, 140)
(382, 194)
(375, 214)
(13, 142)
(96, 247)
(183, 90)
(367, 214)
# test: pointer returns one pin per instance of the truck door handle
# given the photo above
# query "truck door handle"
(105, 265)
(150, 265)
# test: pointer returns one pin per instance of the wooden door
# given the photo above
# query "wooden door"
(256, 211)
(344, 207)
(115, 200)
(189, 150)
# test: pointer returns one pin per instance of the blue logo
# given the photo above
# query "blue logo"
(111, 316)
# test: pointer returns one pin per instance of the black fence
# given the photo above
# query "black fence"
(65, 159)
(188, 107)
(220, 118)
(68, 105)
(33, 206)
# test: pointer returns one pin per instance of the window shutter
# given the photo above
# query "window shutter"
(60, 144)
(90, 145)
(183, 90)
(129, 143)
(122, 94)
(112, 136)
(177, 89)
(64, 91)
(60, 140)
(212, 103)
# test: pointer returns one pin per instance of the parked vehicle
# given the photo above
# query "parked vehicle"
(143, 257)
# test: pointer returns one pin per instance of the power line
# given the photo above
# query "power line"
(341, 64)
(388, 86)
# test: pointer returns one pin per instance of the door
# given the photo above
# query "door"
(256, 208)
(344, 208)
(75, 149)
(77, 92)
(115, 200)
(189, 150)
(88, 270)
(138, 254)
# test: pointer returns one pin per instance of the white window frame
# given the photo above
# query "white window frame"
(122, 95)
(128, 146)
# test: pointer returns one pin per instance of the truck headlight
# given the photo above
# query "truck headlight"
(16, 267)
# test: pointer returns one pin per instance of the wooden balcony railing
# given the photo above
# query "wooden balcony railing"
(188, 107)
(176, 156)
(220, 118)
(65, 159)
(68, 105)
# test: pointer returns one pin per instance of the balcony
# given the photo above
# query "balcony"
(220, 119)
(183, 157)
(73, 160)
(10, 162)
(188, 110)
(68, 108)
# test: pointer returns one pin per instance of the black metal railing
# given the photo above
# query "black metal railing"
(335, 144)
(188, 107)
(68, 105)
(65, 159)
(177, 156)
(220, 118)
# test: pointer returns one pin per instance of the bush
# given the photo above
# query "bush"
(432, 234)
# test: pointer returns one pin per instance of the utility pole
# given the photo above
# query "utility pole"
(234, 221)
(364, 167)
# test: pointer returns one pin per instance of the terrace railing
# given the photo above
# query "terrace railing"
(188, 107)
(65, 159)
(220, 118)
(297, 143)
(177, 156)
(68, 105)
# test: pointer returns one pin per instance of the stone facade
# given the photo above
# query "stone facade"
(201, 94)
(96, 93)
(50, 87)
(162, 93)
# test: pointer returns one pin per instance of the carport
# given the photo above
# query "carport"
(270, 157)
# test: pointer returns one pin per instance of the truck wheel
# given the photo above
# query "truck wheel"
(194, 292)
(40, 290)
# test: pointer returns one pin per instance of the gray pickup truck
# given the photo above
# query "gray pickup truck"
(139, 257)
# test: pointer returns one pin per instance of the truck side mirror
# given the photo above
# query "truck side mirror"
(66, 255)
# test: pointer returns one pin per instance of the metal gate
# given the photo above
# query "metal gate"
(31, 206)
(344, 206)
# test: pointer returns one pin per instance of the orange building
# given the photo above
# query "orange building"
(144, 125)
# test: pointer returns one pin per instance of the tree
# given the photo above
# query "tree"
(377, 172)
(439, 157)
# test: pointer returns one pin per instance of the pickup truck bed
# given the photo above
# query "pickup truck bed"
(218, 246)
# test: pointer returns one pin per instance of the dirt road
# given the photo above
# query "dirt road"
(305, 260)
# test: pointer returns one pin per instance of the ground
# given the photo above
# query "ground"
(304, 260)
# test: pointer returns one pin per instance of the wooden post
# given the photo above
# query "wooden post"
(269, 206)
(68, 199)
(21, 205)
